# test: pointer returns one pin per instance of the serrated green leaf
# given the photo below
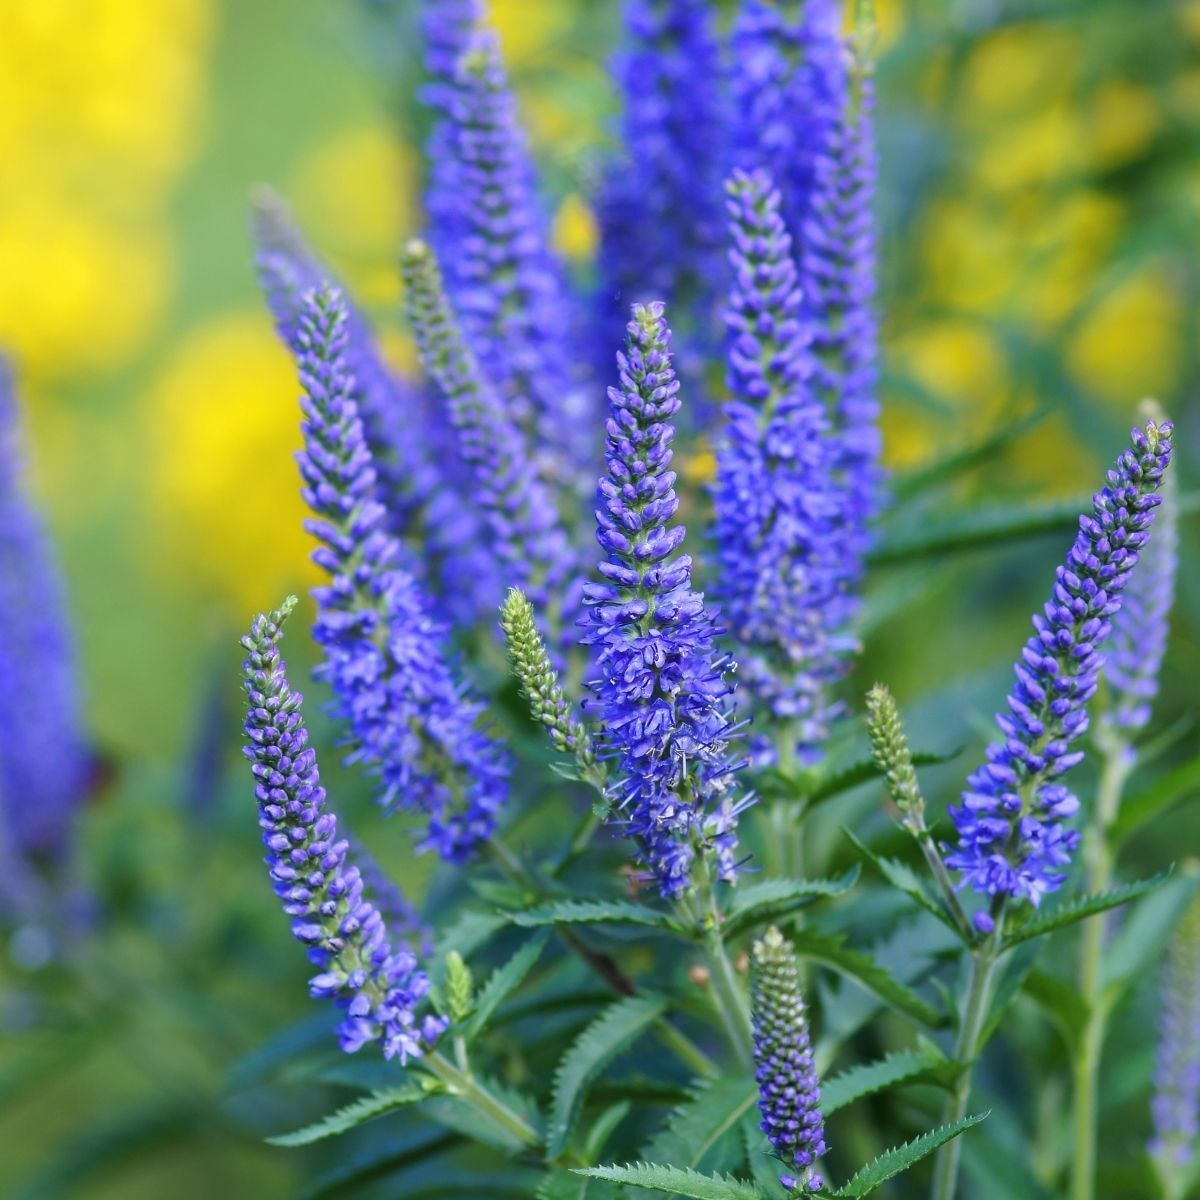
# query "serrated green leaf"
(696, 1125)
(353, 1115)
(864, 970)
(566, 1185)
(614, 1030)
(1139, 809)
(762, 1163)
(1141, 938)
(902, 876)
(865, 1080)
(892, 1162)
(677, 1181)
(1081, 908)
(603, 1126)
(1014, 969)
(775, 898)
(502, 983)
(352, 1170)
(591, 912)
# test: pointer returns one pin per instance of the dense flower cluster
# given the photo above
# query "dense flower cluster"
(1176, 1104)
(379, 987)
(44, 760)
(1011, 836)
(1139, 635)
(505, 284)
(789, 1095)
(408, 718)
(663, 697)
(660, 205)
(528, 539)
(776, 500)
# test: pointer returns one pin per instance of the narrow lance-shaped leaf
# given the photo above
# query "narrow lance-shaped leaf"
(610, 1033)
(675, 1181)
(502, 983)
(868, 1078)
(775, 898)
(353, 1115)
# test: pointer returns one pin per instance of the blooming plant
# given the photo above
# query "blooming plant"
(593, 587)
(694, 685)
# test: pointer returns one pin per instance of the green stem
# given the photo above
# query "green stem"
(730, 996)
(464, 1085)
(1098, 863)
(685, 1049)
(938, 869)
(966, 1047)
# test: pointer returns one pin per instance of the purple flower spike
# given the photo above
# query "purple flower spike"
(492, 239)
(662, 698)
(776, 498)
(378, 987)
(660, 206)
(409, 720)
(1011, 834)
(1176, 1104)
(837, 277)
(789, 1094)
(44, 760)
(1139, 636)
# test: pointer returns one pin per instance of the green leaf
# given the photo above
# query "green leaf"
(1139, 809)
(863, 771)
(985, 526)
(1014, 969)
(616, 1028)
(696, 1126)
(1140, 941)
(466, 934)
(864, 970)
(902, 876)
(865, 1080)
(889, 1164)
(354, 1169)
(469, 1121)
(591, 912)
(502, 983)
(957, 462)
(775, 898)
(1060, 1001)
(562, 1184)
(676, 1181)
(353, 1115)
(603, 1126)
(1080, 909)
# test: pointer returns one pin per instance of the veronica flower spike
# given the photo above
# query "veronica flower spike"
(527, 538)
(1139, 636)
(378, 987)
(1175, 1108)
(789, 1095)
(776, 498)
(410, 721)
(44, 760)
(663, 695)
(493, 240)
(1012, 840)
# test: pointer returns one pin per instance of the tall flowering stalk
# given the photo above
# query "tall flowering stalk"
(1175, 1108)
(789, 1095)
(660, 203)
(44, 760)
(776, 500)
(837, 279)
(410, 721)
(1011, 838)
(1136, 648)
(1012, 841)
(378, 987)
(502, 277)
(527, 539)
(662, 696)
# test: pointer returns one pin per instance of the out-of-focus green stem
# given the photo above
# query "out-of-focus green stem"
(1098, 863)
